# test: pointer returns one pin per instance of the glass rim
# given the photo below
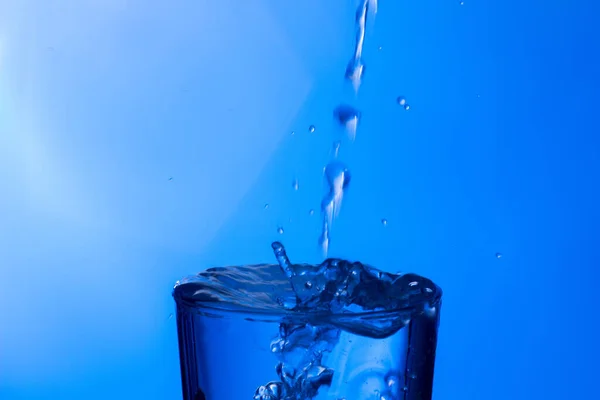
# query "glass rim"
(211, 309)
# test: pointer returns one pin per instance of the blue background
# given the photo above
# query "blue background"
(102, 101)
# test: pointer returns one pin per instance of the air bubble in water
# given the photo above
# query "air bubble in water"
(347, 117)
(407, 107)
(311, 129)
(401, 100)
(384, 222)
(498, 255)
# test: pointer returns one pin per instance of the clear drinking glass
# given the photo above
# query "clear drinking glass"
(236, 353)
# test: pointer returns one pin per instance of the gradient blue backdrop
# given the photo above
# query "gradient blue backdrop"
(102, 101)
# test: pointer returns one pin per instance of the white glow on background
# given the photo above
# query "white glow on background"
(102, 102)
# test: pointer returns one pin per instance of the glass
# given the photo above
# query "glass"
(236, 355)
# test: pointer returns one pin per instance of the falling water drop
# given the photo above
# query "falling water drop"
(338, 178)
(170, 178)
(354, 73)
(324, 238)
(295, 184)
(347, 117)
(401, 100)
(280, 230)
(498, 255)
(311, 129)
(311, 212)
(266, 206)
(293, 132)
(462, 3)
(407, 107)
(384, 222)
(336, 148)
(356, 68)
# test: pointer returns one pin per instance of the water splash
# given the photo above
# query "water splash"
(335, 286)
(316, 304)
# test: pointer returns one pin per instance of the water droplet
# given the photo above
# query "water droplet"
(401, 100)
(355, 68)
(293, 133)
(295, 184)
(462, 3)
(311, 128)
(380, 48)
(384, 222)
(324, 238)
(170, 316)
(337, 175)
(336, 148)
(498, 255)
(280, 230)
(354, 72)
(407, 107)
(266, 206)
(311, 212)
(347, 117)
